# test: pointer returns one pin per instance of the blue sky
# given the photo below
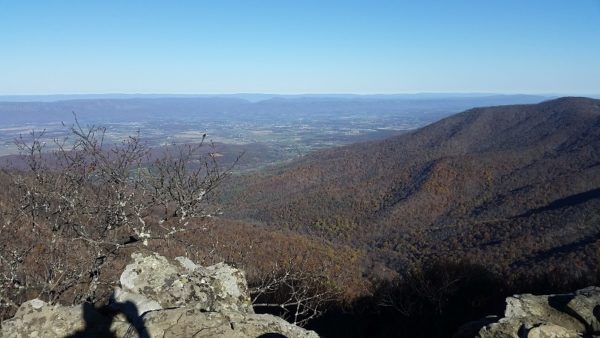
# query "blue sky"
(303, 46)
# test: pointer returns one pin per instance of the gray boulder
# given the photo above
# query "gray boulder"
(158, 297)
(547, 316)
(182, 283)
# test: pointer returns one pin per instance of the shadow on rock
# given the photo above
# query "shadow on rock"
(98, 321)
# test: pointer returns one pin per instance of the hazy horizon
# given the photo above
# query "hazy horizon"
(258, 96)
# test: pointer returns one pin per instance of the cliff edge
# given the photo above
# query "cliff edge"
(162, 298)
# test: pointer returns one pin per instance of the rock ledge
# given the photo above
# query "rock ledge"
(159, 298)
(569, 315)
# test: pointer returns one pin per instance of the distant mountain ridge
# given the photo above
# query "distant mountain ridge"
(253, 97)
(510, 185)
(14, 111)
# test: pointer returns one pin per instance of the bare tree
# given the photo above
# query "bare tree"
(296, 295)
(87, 200)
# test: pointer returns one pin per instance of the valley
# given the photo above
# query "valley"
(398, 208)
(295, 169)
(283, 128)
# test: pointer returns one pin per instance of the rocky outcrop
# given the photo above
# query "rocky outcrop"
(569, 315)
(159, 298)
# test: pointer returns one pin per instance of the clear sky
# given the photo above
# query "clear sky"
(301, 46)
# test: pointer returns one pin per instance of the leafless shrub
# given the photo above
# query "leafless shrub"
(87, 200)
(292, 293)
(82, 205)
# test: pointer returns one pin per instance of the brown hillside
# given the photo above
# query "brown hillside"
(477, 182)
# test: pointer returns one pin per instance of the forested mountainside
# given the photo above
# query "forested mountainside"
(513, 187)
(382, 238)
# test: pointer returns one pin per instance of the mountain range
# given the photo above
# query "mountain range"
(514, 187)
(15, 110)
